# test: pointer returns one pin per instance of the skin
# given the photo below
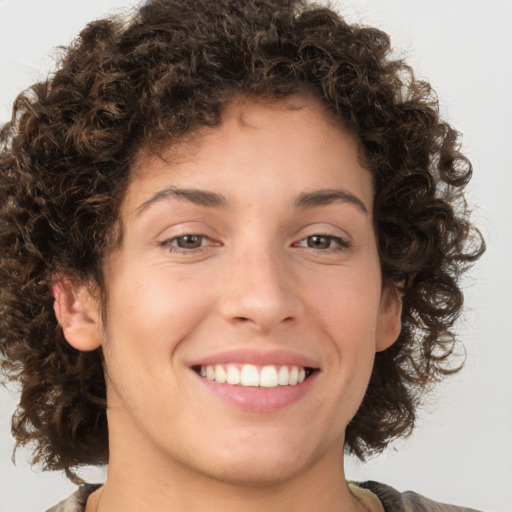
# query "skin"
(259, 280)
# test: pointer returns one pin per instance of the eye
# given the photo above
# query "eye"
(323, 242)
(319, 241)
(187, 243)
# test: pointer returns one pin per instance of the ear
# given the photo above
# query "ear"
(389, 323)
(78, 313)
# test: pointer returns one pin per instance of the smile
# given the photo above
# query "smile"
(249, 375)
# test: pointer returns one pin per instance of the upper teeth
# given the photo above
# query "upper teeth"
(250, 375)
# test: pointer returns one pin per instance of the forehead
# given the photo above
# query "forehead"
(295, 142)
(244, 113)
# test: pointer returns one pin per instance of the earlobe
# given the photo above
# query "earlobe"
(78, 313)
(389, 324)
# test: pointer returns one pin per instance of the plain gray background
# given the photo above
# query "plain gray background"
(461, 451)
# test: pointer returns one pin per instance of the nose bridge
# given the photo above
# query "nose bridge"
(260, 291)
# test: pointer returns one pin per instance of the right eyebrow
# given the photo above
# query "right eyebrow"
(192, 195)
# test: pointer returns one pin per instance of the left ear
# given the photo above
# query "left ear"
(389, 323)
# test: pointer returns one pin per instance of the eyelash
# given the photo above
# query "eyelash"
(168, 244)
(342, 244)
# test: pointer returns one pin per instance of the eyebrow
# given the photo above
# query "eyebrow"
(328, 196)
(192, 195)
(214, 200)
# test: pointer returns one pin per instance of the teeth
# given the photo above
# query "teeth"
(292, 379)
(283, 376)
(250, 375)
(233, 375)
(210, 373)
(220, 374)
(268, 377)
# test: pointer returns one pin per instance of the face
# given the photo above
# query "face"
(250, 256)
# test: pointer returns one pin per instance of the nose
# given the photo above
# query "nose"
(260, 291)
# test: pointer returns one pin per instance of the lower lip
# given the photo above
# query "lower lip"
(259, 399)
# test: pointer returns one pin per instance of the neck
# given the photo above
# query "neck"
(144, 479)
(199, 494)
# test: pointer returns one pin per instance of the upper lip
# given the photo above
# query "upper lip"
(257, 357)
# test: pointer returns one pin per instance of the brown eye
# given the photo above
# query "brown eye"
(189, 241)
(319, 241)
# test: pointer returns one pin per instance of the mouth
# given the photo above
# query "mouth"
(256, 380)
(250, 375)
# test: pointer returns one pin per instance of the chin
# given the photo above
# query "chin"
(258, 465)
(254, 473)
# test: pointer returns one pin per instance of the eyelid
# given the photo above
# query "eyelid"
(343, 242)
(179, 237)
(339, 241)
(168, 245)
(183, 227)
(324, 228)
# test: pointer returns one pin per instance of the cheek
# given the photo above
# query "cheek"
(148, 319)
(149, 315)
(347, 300)
(346, 306)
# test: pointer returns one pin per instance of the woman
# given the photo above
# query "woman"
(232, 235)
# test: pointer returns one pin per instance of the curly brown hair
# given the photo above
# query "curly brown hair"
(128, 84)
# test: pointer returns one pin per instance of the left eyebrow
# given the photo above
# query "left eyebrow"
(191, 195)
(328, 196)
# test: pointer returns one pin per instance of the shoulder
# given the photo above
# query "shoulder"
(77, 501)
(395, 501)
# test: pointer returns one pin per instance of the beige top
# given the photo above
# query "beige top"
(367, 498)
